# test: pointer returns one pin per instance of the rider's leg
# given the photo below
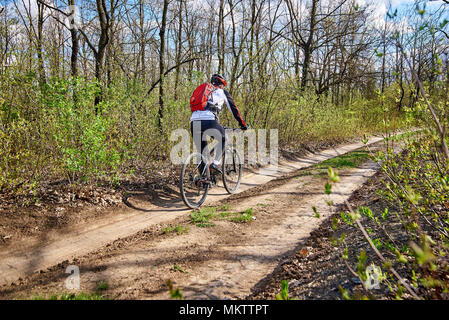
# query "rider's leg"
(196, 128)
(212, 128)
(216, 131)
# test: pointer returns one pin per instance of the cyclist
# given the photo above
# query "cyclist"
(205, 122)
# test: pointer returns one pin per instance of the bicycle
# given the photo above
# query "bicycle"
(195, 185)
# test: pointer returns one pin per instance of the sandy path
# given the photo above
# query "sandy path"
(55, 248)
(225, 261)
(236, 264)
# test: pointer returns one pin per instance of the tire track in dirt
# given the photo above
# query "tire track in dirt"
(221, 262)
(236, 266)
(80, 241)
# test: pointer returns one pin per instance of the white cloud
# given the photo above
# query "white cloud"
(379, 10)
(25, 7)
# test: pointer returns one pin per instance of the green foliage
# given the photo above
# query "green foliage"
(335, 222)
(73, 296)
(311, 117)
(201, 218)
(179, 229)
(423, 253)
(284, 292)
(317, 215)
(361, 267)
(101, 286)
(333, 176)
(54, 130)
(328, 188)
(178, 268)
(415, 173)
(346, 218)
(419, 170)
(85, 140)
(244, 216)
(58, 134)
(344, 293)
(174, 293)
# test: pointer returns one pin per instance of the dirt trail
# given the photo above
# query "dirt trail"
(237, 261)
(81, 240)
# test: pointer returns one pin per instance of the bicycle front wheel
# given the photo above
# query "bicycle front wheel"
(232, 170)
(194, 185)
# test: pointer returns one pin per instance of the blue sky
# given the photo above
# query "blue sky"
(380, 7)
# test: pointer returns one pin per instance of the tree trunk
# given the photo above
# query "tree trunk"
(75, 46)
(102, 43)
(221, 38)
(40, 26)
(162, 65)
(178, 51)
(308, 45)
(383, 57)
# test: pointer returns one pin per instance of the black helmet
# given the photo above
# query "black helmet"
(218, 79)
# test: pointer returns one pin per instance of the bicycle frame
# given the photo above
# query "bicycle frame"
(212, 152)
(205, 178)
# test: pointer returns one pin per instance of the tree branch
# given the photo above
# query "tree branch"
(154, 84)
(441, 129)
(392, 270)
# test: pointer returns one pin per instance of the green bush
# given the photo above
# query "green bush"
(83, 138)
(54, 130)
(416, 186)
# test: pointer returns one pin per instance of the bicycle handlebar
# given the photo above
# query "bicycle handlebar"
(235, 129)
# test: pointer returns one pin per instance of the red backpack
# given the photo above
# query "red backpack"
(200, 96)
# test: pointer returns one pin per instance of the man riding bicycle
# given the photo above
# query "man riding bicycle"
(204, 119)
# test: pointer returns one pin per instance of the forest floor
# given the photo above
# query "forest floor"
(316, 270)
(56, 206)
(222, 251)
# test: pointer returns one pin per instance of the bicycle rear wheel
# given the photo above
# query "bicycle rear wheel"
(232, 170)
(194, 185)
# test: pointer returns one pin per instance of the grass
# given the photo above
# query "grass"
(304, 173)
(201, 218)
(345, 161)
(242, 216)
(174, 293)
(179, 229)
(225, 214)
(284, 295)
(73, 296)
(101, 286)
(401, 136)
(178, 268)
(306, 184)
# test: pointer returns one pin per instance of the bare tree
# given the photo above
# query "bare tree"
(162, 63)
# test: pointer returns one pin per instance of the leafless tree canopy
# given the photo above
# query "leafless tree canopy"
(306, 67)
